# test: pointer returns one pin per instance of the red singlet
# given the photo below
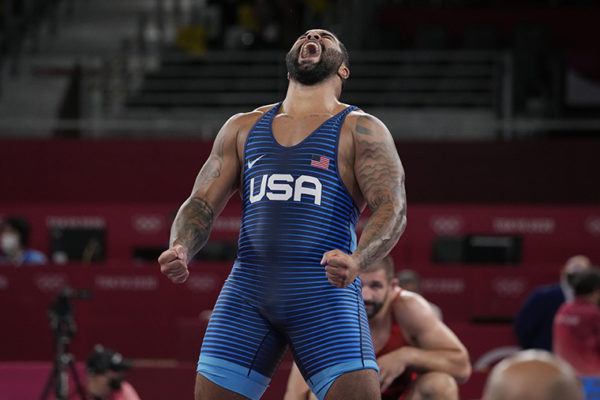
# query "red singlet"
(402, 384)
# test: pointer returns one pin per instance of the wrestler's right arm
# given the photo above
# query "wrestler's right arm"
(217, 181)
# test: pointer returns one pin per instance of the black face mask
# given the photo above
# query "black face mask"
(311, 74)
(115, 383)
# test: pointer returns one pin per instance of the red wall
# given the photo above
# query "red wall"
(550, 233)
(546, 172)
(141, 313)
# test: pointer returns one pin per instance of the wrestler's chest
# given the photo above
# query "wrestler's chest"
(380, 338)
(289, 131)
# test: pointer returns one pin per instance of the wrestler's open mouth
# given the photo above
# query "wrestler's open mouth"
(310, 50)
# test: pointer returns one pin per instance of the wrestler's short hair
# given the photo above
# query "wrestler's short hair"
(345, 55)
(387, 264)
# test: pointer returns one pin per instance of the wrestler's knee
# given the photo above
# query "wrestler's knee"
(436, 386)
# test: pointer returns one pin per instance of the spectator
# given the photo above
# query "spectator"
(411, 281)
(14, 239)
(577, 325)
(532, 375)
(533, 324)
(105, 376)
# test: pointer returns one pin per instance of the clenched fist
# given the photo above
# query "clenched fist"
(341, 268)
(173, 263)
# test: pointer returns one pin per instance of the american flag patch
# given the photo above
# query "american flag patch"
(320, 162)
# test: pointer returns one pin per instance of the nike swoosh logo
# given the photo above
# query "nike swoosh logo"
(251, 163)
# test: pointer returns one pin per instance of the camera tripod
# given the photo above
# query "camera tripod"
(64, 328)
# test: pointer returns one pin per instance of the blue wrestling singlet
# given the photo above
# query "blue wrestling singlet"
(295, 208)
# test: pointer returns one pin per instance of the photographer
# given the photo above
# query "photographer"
(105, 376)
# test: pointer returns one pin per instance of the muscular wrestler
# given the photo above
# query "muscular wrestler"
(306, 167)
(419, 356)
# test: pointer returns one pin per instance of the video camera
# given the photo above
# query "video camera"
(63, 325)
(61, 310)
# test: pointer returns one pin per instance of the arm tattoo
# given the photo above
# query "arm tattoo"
(192, 225)
(212, 168)
(381, 179)
(194, 219)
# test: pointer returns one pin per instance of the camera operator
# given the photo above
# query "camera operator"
(105, 376)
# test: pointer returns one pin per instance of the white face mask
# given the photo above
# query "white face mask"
(9, 242)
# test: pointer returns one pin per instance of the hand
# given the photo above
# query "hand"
(173, 263)
(391, 366)
(341, 268)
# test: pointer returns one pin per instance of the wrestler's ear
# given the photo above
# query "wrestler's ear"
(343, 72)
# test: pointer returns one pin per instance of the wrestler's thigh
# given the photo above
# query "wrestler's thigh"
(356, 385)
(206, 390)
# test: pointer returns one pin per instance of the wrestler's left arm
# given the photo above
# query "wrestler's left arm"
(380, 177)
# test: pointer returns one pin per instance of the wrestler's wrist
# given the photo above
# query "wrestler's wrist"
(407, 355)
(360, 261)
(182, 250)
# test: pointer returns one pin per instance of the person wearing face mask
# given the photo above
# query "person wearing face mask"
(105, 376)
(14, 239)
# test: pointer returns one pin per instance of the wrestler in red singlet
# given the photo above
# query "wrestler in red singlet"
(419, 357)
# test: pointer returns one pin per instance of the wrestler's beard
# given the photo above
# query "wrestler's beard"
(372, 308)
(313, 73)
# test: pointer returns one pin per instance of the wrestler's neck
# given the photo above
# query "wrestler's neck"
(382, 320)
(322, 98)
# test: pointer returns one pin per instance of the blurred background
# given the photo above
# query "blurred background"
(108, 109)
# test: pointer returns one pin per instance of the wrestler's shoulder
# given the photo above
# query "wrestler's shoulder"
(358, 120)
(245, 120)
(407, 299)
